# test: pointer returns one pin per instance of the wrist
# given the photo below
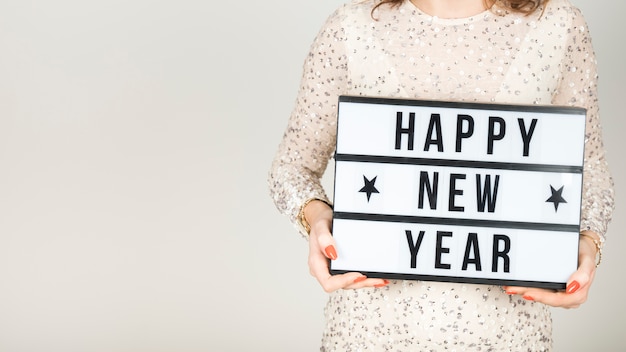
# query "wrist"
(312, 212)
(595, 241)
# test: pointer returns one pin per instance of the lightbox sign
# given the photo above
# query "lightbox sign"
(459, 192)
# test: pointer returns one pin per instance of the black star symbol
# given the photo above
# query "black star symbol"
(369, 187)
(556, 197)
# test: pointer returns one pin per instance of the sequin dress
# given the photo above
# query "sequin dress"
(545, 58)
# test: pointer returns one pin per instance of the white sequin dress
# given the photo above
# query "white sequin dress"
(545, 58)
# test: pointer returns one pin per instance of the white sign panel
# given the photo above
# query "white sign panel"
(462, 192)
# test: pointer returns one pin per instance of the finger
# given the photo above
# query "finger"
(318, 266)
(326, 243)
(579, 280)
(367, 282)
(555, 299)
(352, 280)
(318, 263)
(332, 283)
(550, 297)
(528, 293)
(577, 288)
(583, 277)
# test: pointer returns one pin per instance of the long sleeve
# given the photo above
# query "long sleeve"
(578, 87)
(309, 140)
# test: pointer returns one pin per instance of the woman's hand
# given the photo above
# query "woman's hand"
(322, 248)
(577, 289)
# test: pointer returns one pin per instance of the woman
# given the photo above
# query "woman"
(510, 51)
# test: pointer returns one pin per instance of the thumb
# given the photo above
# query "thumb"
(327, 244)
(582, 277)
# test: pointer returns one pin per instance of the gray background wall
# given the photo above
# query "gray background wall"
(135, 139)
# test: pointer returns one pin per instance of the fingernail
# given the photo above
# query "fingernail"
(385, 283)
(331, 252)
(360, 279)
(510, 292)
(528, 298)
(572, 287)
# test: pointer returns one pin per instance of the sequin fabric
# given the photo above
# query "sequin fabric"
(545, 58)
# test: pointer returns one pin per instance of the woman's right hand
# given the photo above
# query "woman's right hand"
(322, 248)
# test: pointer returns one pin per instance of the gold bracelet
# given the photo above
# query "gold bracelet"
(302, 219)
(598, 247)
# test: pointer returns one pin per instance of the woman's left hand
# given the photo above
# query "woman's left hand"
(577, 289)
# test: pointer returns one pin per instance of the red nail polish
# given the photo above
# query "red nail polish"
(572, 287)
(510, 292)
(529, 298)
(385, 283)
(331, 252)
(360, 279)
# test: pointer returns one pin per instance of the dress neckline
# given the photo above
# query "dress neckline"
(409, 5)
